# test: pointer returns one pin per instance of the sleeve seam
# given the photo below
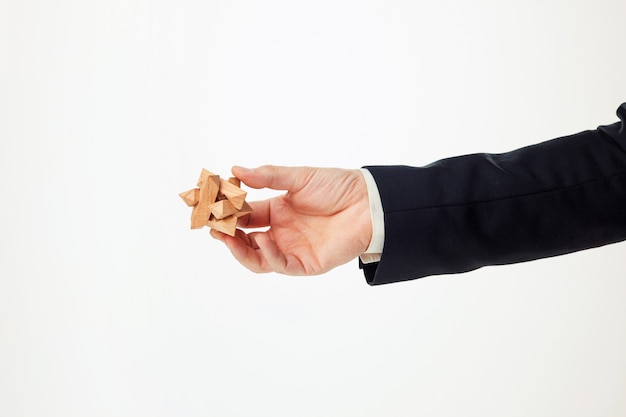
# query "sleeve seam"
(558, 189)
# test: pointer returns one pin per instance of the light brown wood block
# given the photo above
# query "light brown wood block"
(227, 225)
(190, 197)
(209, 187)
(234, 194)
(235, 181)
(246, 209)
(205, 173)
(222, 209)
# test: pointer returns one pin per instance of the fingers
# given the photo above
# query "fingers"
(274, 177)
(274, 258)
(259, 253)
(244, 250)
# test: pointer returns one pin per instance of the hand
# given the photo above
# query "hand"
(322, 221)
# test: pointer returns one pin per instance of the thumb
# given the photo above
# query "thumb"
(274, 177)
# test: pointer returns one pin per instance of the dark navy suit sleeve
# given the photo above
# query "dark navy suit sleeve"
(462, 213)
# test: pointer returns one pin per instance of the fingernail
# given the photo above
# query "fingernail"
(242, 168)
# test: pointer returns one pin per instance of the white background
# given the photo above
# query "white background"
(111, 306)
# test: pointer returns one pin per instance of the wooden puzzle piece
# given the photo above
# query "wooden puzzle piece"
(222, 209)
(227, 225)
(209, 187)
(246, 209)
(217, 203)
(233, 193)
(190, 197)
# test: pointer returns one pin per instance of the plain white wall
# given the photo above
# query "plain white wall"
(111, 306)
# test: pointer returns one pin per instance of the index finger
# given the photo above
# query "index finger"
(274, 177)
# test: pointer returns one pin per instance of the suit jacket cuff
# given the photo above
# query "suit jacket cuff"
(375, 249)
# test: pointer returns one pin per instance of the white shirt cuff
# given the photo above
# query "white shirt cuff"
(375, 249)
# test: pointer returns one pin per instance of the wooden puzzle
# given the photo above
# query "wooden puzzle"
(217, 203)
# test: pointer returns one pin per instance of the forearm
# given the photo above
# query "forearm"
(463, 213)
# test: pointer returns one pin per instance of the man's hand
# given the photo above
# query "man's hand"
(322, 221)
